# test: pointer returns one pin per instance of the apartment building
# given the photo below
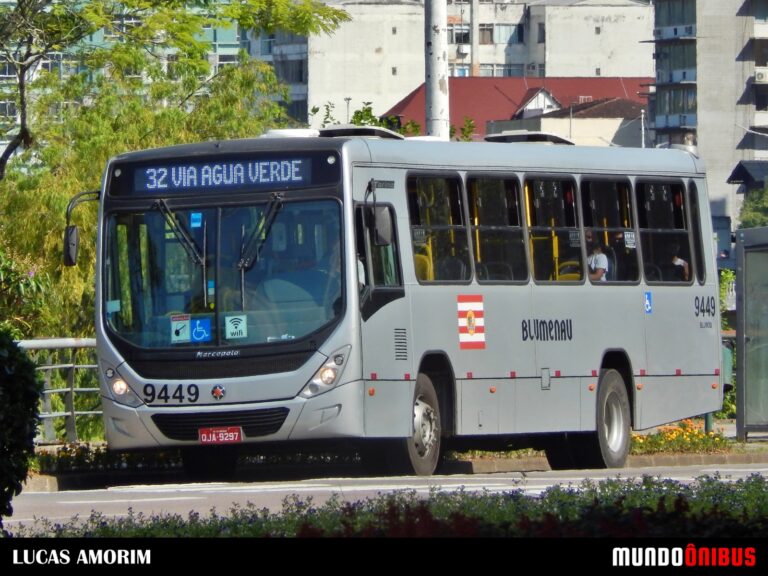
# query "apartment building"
(709, 90)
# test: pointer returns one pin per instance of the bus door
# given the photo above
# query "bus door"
(384, 312)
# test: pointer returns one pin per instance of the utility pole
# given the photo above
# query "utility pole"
(436, 68)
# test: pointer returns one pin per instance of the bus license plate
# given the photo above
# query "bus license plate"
(227, 435)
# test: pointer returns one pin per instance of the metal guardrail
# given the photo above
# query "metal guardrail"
(60, 355)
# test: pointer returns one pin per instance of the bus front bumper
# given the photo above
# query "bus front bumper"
(338, 413)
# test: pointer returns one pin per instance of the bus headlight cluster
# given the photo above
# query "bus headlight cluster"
(119, 389)
(329, 374)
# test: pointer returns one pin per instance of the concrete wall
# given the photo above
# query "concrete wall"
(599, 40)
(378, 57)
(582, 131)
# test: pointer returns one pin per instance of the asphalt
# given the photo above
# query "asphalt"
(754, 451)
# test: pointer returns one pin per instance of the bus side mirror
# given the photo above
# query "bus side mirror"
(383, 233)
(71, 245)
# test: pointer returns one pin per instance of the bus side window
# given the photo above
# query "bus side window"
(664, 235)
(438, 233)
(553, 228)
(609, 221)
(497, 233)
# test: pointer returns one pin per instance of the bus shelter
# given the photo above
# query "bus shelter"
(751, 331)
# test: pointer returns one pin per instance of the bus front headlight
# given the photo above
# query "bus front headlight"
(120, 391)
(328, 375)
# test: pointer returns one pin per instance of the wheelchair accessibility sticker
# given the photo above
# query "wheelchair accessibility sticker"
(201, 330)
(649, 302)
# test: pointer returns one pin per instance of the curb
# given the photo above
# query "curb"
(539, 463)
(63, 482)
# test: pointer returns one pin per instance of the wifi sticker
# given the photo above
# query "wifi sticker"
(236, 327)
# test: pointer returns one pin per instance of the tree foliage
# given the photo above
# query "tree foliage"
(136, 34)
(127, 95)
(20, 392)
(754, 210)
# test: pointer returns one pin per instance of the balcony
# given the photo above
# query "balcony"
(760, 30)
(682, 76)
(682, 31)
(761, 119)
(687, 121)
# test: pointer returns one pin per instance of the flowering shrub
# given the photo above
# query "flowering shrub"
(685, 436)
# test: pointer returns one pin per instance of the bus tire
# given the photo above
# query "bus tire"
(608, 447)
(207, 463)
(420, 454)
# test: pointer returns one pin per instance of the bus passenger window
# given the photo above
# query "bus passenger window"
(664, 235)
(497, 233)
(439, 236)
(609, 224)
(553, 228)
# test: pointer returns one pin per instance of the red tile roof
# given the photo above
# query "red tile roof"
(483, 99)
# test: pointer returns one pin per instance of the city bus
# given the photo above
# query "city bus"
(350, 287)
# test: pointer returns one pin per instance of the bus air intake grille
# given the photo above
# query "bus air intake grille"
(401, 344)
(226, 368)
(253, 422)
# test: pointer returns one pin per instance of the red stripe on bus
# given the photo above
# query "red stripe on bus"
(678, 372)
(407, 376)
(513, 374)
(472, 345)
(374, 376)
(469, 375)
(469, 298)
(642, 372)
(557, 373)
(717, 371)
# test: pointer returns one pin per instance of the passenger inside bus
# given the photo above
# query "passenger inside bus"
(597, 259)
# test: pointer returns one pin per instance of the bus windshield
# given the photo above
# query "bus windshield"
(223, 276)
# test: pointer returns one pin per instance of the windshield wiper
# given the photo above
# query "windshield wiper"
(187, 242)
(249, 254)
(181, 234)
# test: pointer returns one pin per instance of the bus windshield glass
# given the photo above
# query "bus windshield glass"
(223, 276)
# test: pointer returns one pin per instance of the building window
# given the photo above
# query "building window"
(597, 30)
(597, 71)
(508, 70)
(486, 33)
(486, 69)
(120, 27)
(458, 70)
(508, 34)
(267, 44)
(7, 70)
(458, 34)
(226, 60)
(7, 110)
(542, 33)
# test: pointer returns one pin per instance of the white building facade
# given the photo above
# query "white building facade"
(378, 56)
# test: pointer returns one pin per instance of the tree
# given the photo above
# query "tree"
(138, 32)
(754, 210)
(127, 95)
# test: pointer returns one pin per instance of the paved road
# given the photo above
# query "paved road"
(181, 498)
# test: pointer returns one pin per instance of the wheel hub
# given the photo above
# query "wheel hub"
(425, 427)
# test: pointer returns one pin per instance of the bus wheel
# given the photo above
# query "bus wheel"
(422, 450)
(609, 446)
(209, 463)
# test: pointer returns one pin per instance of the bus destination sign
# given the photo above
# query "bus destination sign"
(223, 175)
